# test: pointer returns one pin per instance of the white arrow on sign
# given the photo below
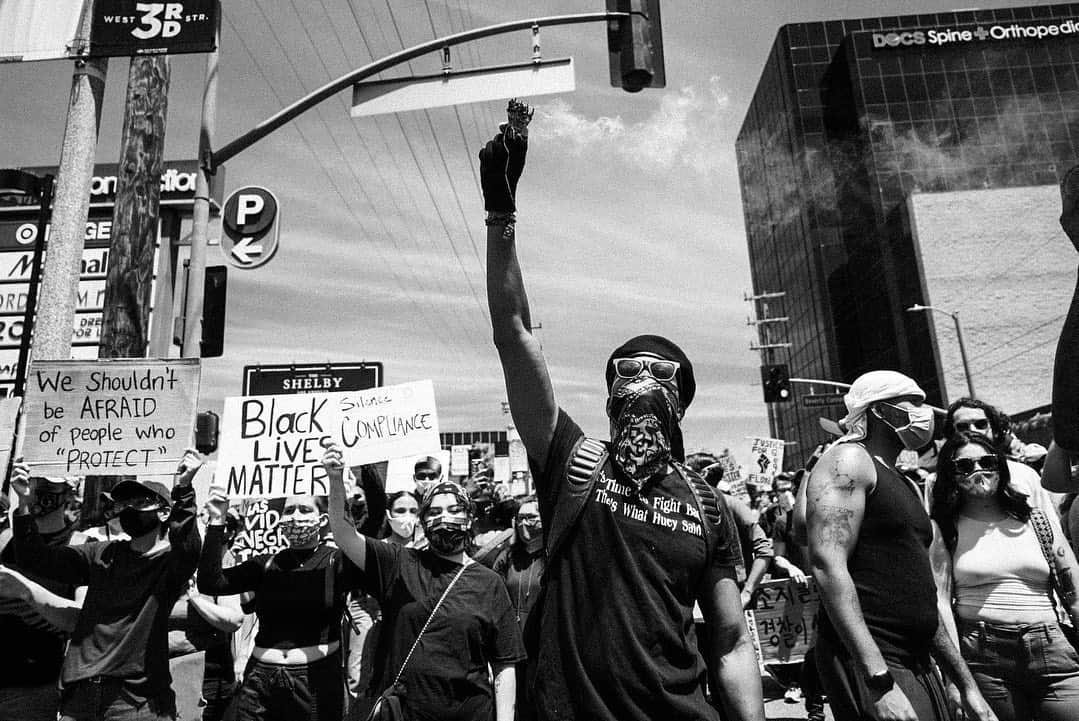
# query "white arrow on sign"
(247, 250)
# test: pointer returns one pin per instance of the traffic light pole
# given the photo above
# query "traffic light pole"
(233, 148)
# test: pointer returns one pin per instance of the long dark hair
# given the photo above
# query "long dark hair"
(946, 494)
(999, 422)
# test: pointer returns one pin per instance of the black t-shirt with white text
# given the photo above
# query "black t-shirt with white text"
(617, 639)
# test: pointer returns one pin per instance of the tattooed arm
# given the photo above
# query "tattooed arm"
(835, 504)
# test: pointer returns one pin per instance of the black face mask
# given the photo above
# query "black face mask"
(137, 523)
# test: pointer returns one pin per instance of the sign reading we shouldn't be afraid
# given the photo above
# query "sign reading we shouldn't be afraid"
(109, 417)
(272, 445)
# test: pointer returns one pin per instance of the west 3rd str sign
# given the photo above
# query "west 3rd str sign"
(249, 220)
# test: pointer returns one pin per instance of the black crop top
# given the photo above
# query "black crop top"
(299, 595)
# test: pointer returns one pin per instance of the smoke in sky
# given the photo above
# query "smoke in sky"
(689, 129)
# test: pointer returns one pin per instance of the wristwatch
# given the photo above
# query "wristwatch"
(881, 682)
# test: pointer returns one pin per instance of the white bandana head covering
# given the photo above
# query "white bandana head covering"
(870, 388)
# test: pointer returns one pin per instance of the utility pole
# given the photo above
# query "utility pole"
(126, 318)
(71, 205)
(200, 212)
(126, 315)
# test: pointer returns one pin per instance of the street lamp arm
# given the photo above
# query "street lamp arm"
(285, 115)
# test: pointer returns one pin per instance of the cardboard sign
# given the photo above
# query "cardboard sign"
(118, 417)
(271, 446)
(785, 619)
(732, 473)
(259, 533)
(399, 471)
(767, 461)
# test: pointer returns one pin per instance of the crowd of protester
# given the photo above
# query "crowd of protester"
(616, 590)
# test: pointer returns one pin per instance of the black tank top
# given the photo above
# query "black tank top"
(891, 571)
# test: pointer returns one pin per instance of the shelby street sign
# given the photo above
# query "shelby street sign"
(275, 380)
(249, 220)
(822, 399)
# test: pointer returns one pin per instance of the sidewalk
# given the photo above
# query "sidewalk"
(776, 709)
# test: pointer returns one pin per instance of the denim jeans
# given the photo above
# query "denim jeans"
(110, 699)
(1024, 672)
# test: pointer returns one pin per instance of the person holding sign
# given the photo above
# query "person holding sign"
(295, 670)
(446, 619)
(634, 539)
(116, 664)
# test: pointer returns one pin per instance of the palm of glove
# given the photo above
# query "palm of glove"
(502, 161)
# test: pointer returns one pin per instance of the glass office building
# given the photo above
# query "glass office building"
(849, 118)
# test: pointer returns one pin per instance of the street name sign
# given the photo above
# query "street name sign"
(272, 380)
(822, 399)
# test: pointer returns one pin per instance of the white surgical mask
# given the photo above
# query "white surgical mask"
(919, 429)
(403, 526)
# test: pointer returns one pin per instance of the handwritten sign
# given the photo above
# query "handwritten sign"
(766, 462)
(109, 417)
(785, 619)
(388, 422)
(271, 446)
(732, 473)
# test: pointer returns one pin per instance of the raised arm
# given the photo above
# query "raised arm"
(835, 507)
(67, 564)
(528, 384)
(1065, 379)
(348, 539)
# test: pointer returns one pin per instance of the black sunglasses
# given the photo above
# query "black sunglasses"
(966, 466)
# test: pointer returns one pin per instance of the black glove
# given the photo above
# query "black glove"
(501, 163)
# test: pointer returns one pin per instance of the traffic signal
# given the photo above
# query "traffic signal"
(213, 312)
(776, 380)
(206, 432)
(635, 46)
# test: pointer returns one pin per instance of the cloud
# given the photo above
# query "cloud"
(687, 130)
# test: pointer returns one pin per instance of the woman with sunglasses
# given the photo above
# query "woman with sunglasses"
(403, 519)
(992, 573)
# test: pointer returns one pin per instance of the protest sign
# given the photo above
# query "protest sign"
(259, 533)
(459, 460)
(785, 619)
(117, 417)
(767, 461)
(271, 446)
(732, 473)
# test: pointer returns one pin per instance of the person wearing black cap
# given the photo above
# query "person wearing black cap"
(116, 665)
(629, 531)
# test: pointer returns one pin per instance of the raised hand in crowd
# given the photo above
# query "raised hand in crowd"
(189, 466)
(217, 506)
(22, 485)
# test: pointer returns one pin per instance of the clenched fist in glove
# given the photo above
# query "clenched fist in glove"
(503, 159)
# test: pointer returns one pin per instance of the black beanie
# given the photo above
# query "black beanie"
(660, 346)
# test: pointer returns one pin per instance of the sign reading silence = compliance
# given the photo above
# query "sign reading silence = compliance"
(272, 445)
(109, 417)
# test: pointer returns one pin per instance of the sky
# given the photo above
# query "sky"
(630, 216)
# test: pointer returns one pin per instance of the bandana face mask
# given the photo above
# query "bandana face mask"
(644, 413)
(299, 532)
(448, 534)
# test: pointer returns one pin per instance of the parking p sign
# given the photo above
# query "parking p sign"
(251, 227)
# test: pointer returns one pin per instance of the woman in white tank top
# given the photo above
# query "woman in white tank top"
(994, 581)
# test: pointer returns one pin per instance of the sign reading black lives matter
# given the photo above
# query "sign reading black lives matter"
(109, 417)
(132, 27)
(272, 445)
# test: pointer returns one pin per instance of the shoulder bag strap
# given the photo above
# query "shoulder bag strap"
(582, 471)
(1044, 531)
(428, 622)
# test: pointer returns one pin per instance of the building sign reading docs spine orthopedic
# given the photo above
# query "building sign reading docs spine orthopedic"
(272, 445)
(109, 417)
(251, 227)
